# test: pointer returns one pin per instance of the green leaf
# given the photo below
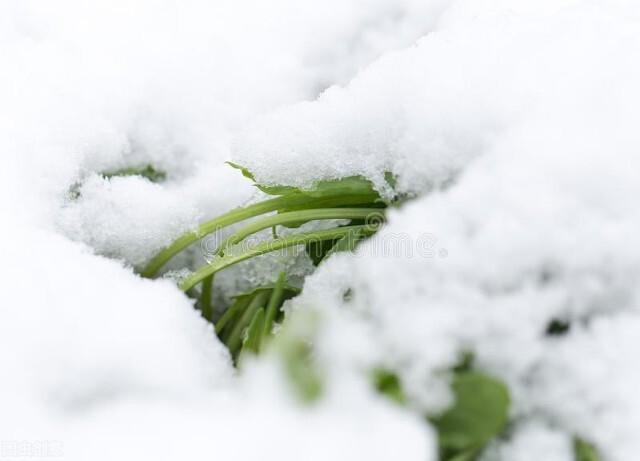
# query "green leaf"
(352, 185)
(388, 384)
(253, 338)
(318, 249)
(245, 172)
(290, 202)
(146, 171)
(479, 413)
(237, 306)
(351, 190)
(277, 190)
(346, 243)
(469, 455)
(558, 327)
(289, 291)
(234, 341)
(584, 451)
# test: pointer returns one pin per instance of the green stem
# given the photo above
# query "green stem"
(235, 338)
(254, 333)
(238, 305)
(274, 303)
(226, 219)
(240, 214)
(295, 217)
(205, 298)
(267, 247)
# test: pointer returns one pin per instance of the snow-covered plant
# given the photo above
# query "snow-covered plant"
(251, 316)
(480, 412)
(482, 403)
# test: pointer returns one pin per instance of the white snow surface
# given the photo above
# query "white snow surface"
(514, 123)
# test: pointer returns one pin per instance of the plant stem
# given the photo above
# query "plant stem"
(274, 303)
(267, 247)
(240, 214)
(238, 305)
(294, 217)
(205, 298)
(235, 338)
(254, 333)
(226, 219)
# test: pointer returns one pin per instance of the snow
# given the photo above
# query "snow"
(538, 225)
(513, 123)
(533, 440)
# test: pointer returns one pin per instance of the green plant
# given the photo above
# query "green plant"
(253, 313)
(324, 201)
(248, 321)
(481, 402)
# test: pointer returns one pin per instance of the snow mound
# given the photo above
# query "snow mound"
(94, 356)
(525, 123)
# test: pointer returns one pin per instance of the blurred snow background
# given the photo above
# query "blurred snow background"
(514, 122)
